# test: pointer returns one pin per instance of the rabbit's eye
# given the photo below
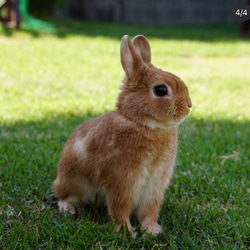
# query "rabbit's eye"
(161, 90)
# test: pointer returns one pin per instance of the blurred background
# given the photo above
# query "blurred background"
(149, 11)
(134, 11)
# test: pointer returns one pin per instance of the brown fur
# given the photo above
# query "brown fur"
(126, 157)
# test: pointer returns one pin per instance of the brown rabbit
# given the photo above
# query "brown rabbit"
(126, 157)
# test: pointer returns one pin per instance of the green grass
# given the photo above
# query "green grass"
(50, 83)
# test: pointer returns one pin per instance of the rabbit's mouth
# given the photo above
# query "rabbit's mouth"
(156, 124)
(176, 122)
(182, 119)
(178, 119)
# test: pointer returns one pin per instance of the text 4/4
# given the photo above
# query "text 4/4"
(241, 12)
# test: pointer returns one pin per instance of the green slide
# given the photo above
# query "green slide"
(29, 22)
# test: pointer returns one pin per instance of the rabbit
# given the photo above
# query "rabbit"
(125, 158)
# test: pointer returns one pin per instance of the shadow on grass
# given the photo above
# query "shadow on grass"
(200, 32)
(30, 152)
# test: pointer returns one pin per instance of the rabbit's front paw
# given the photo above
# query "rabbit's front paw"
(120, 225)
(65, 206)
(151, 227)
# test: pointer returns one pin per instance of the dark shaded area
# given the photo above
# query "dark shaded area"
(245, 26)
(201, 32)
(12, 16)
(152, 12)
(42, 7)
(38, 144)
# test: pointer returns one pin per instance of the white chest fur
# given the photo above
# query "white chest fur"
(152, 184)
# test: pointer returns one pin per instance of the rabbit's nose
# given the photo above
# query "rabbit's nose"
(189, 102)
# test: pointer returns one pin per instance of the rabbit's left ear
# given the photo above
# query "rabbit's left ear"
(131, 59)
(142, 46)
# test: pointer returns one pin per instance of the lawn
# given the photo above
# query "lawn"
(50, 83)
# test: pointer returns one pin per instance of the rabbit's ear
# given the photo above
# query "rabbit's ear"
(142, 46)
(131, 60)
